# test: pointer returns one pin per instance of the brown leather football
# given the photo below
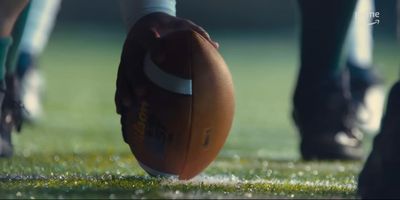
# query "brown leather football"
(184, 108)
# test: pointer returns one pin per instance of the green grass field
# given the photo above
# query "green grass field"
(76, 150)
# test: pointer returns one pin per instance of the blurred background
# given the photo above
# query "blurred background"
(259, 41)
(76, 148)
(222, 14)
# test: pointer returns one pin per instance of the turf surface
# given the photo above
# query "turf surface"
(76, 150)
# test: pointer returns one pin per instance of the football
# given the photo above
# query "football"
(184, 108)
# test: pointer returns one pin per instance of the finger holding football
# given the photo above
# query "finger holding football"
(156, 25)
(141, 39)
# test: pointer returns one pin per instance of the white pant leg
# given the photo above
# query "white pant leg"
(133, 10)
(360, 35)
(40, 23)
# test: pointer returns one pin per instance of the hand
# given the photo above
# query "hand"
(156, 25)
(141, 38)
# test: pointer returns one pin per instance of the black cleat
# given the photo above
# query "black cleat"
(380, 177)
(6, 147)
(367, 96)
(326, 121)
(11, 116)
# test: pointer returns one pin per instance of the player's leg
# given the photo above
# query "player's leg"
(366, 85)
(360, 35)
(39, 25)
(380, 177)
(41, 20)
(322, 108)
(9, 13)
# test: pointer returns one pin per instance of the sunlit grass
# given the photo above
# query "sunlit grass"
(106, 174)
(76, 150)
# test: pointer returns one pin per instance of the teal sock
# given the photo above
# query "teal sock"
(17, 36)
(5, 43)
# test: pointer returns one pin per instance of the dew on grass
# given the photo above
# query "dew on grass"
(251, 172)
(56, 158)
(269, 172)
(26, 153)
(248, 195)
(300, 173)
(99, 159)
(265, 164)
(341, 168)
(290, 165)
(236, 158)
(139, 192)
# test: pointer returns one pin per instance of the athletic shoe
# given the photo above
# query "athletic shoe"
(6, 147)
(368, 97)
(13, 109)
(325, 119)
(32, 85)
(11, 115)
(32, 93)
(380, 177)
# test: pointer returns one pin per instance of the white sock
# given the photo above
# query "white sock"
(133, 10)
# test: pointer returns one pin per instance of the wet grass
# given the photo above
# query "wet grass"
(76, 150)
(106, 175)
